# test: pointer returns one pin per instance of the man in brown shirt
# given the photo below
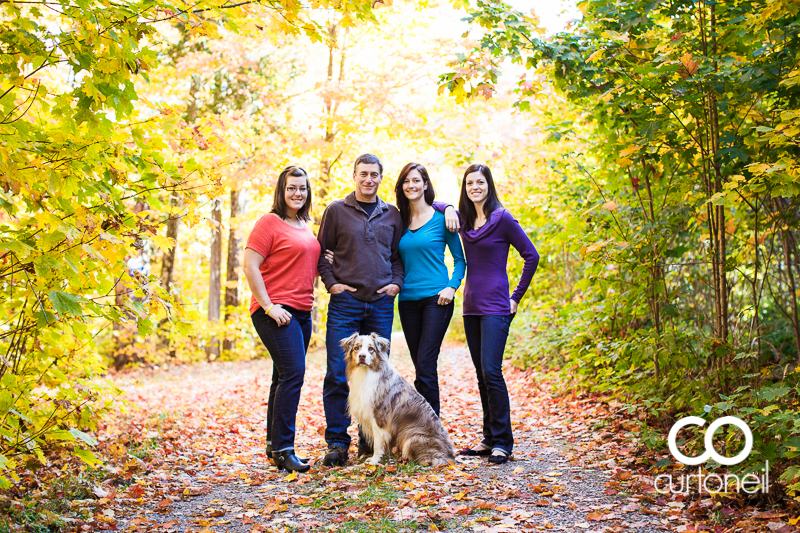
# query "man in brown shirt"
(363, 232)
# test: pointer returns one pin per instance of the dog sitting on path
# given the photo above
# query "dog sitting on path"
(390, 411)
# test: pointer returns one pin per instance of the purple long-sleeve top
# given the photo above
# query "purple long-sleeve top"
(486, 249)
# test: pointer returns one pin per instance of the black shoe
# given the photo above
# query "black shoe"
(365, 449)
(499, 458)
(336, 456)
(473, 453)
(273, 456)
(289, 461)
(270, 454)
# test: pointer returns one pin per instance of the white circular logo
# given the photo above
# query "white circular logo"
(709, 441)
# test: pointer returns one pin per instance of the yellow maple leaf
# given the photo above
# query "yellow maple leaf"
(689, 64)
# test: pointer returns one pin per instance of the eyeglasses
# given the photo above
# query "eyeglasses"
(291, 189)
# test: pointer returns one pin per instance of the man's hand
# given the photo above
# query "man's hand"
(446, 295)
(451, 219)
(337, 288)
(514, 306)
(391, 289)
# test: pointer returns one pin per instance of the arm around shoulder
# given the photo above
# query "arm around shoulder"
(451, 216)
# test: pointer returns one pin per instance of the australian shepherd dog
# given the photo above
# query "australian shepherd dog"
(392, 414)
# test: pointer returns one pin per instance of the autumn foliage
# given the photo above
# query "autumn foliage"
(650, 150)
(669, 211)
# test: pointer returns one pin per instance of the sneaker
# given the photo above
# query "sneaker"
(365, 449)
(336, 456)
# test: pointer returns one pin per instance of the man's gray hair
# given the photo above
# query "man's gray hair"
(369, 159)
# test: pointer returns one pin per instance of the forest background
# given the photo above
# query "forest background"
(649, 150)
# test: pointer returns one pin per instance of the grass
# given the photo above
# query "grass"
(370, 492)
(40, 512)
(373, 491)
(384, 525)
(143, 449)
(39, 502)
(28, 517)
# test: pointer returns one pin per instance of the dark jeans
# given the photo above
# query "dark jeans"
(486, 338)
(424, 325)
(287, 345)
(347, 315)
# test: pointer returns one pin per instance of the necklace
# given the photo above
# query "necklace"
(295, 223)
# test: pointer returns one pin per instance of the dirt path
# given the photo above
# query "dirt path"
(196, 436)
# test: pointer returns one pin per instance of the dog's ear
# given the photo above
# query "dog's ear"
(381, 343)
(347, 344)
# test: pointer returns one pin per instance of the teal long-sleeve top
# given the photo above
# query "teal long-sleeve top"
(422, 252)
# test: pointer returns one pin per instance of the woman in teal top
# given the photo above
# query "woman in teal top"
(426, 301)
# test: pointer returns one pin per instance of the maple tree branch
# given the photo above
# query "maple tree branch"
(32, 98)
(228, 6)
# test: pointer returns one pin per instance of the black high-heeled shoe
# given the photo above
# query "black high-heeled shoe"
(272, 456)
(289, 461)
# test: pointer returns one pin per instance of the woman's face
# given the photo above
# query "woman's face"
(414, 187)
(476, 186)
(295, 194)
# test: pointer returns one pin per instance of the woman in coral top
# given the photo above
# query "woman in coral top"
(280, 262)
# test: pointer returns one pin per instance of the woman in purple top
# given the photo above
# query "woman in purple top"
(487, 231)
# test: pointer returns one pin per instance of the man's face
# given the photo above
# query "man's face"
(368, 178)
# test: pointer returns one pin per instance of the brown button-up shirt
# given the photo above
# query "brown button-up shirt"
(365, 248)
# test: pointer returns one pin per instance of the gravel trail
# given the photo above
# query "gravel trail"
(210, 472)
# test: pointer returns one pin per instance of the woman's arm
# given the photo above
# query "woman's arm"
(252, 271)
(451, 219)
(459, 262)
(517, 237)
(453, 241)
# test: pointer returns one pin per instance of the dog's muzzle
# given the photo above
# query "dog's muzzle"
(362, 359)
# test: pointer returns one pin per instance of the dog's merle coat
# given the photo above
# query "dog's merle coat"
(391, 412)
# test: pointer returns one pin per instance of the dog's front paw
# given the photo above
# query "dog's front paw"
(375, 461)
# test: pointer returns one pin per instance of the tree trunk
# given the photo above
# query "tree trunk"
(787, 255)
(234, 264)
(712, 179)
(126, 331)
(215, 277)
(168, 260)
(327, 162)
(168, 266)
(120, 342)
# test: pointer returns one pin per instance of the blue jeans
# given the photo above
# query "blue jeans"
(287, 345)
(347, 315)
(424, 325)
(486, 339)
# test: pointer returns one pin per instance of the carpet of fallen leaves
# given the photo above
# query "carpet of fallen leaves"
(187, 454)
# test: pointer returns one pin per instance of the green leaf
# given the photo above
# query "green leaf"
(772, 394)
(65, 303)
(87, 456)
(88, 439)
